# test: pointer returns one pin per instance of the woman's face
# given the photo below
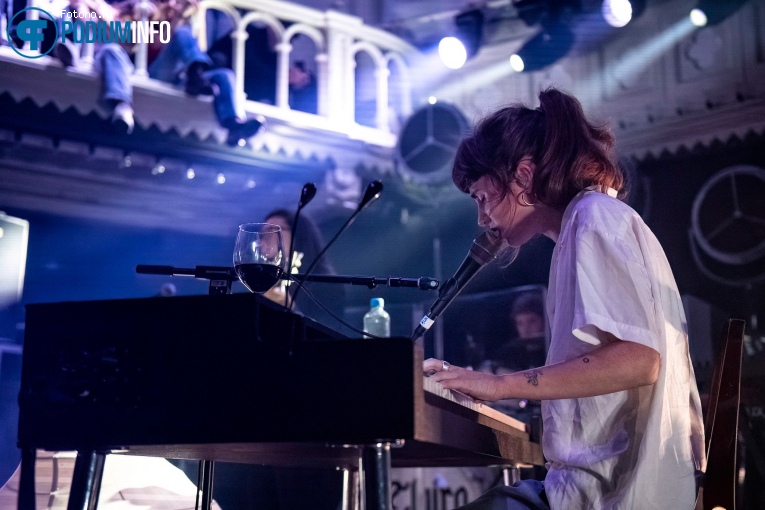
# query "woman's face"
(515, 223)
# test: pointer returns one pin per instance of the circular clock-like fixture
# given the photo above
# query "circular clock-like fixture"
(728, 217)
(428, 143)
(728, 224)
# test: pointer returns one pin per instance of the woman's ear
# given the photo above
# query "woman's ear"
(525, 173)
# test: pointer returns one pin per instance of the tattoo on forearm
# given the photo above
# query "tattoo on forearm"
(586, 360)
(531, 377)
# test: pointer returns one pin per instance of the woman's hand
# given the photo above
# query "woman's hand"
(479, 385)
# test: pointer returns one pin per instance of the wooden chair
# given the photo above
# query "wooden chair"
(718, 490)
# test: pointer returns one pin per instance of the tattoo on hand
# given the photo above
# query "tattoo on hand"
(586, 360)
(531, 377)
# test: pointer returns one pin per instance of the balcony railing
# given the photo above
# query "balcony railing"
(339, 41)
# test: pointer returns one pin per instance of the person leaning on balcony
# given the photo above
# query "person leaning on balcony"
(182, 62)
(179, 62)
(111, 61)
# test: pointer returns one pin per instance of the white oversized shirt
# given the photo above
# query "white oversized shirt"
(634, 449)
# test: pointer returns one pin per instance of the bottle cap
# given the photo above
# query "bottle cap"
(377, 301)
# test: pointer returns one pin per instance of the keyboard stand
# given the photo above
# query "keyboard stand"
(374, 471)
(86, 480)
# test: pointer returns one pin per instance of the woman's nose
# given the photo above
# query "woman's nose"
(483, 219)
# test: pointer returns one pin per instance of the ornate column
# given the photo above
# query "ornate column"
(381, 114)
(283, 50)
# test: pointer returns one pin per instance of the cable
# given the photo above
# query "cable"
(341, 321)
(320, 255)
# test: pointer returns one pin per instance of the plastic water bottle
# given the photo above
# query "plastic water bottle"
(377, 320)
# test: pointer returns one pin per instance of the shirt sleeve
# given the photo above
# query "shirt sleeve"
(613, 291)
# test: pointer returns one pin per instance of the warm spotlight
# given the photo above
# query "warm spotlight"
(516, 63)
(452, 52)
(698, 18)
(617, 13)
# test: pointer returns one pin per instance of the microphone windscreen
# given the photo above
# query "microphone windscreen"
(371, 194)
(486, 246)
(307, 194)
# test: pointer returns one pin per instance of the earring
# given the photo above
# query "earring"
(523, 201)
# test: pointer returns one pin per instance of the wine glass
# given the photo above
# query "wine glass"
(259, 256)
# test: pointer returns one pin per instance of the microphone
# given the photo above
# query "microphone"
(306, 195)
(372, 193)
(484, 249)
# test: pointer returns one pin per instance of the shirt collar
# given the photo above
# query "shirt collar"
(569, 211)
(602, 188)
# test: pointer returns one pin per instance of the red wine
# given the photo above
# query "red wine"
(258, 277)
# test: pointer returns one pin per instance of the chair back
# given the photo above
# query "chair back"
(721, 427)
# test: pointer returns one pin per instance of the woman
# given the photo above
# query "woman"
(253, 487)
(622, 418)
(308, 244)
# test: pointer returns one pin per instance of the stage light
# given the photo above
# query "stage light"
(251, 183)
(432, 100)
(712, 12)
(552, 43)
(532, 11)
(190, 174)
(698, 18)
(452, 52)
(469, 26)
(516, 63)
(220, 179)
(617, 13)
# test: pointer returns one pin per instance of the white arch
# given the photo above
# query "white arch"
(240, 37)
(199, 24)
(272, 23)
(399, 60)
(406, 84)
(381, 78)
(371, 50)
(299, 28)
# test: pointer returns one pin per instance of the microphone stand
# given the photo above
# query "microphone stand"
(221, 277)
(306, 195)
(371, 194)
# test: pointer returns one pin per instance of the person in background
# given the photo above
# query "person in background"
(111, 62)
(179, 62)
(252, 487)
(621, 413)
(527, 349)
(308, 244)
(259, 56)
(303, 88)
